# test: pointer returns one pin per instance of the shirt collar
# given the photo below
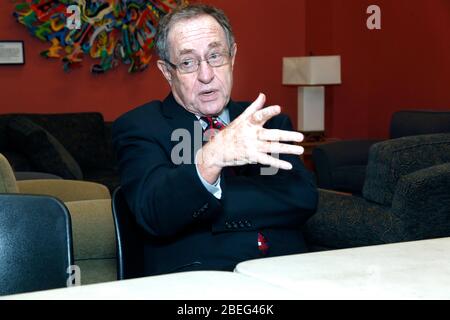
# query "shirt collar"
(224, 117)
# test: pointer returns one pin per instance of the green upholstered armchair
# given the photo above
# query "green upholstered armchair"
(406, 197)
(89, 205)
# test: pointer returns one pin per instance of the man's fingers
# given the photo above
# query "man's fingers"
(256, 105)
(261, 116)
(283, 148)
(279, 135)
(265, 159)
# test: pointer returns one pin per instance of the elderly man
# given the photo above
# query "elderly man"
(219, 207)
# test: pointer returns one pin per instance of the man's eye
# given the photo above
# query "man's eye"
(214, 56)
(188, 63)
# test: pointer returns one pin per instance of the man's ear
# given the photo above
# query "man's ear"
(164, 70)
(233, 52)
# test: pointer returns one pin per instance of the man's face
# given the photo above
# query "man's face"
(207, 91)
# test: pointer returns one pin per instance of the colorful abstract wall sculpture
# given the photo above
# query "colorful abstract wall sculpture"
(112, 31)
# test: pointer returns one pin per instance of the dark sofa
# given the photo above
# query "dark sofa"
(342, 165)
(69, 145)
(406, 197)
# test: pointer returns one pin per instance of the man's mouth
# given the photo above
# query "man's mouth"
(207, 92)
(209, 95)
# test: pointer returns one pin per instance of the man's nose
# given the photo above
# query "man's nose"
(205, 72)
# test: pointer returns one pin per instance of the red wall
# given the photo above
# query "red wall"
(265, 32)
(405, 65)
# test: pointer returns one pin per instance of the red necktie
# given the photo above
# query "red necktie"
(263, 245)
(213, 124)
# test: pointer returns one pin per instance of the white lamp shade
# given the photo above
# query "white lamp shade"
(315, 70)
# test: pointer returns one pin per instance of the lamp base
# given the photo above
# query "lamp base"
(311, 108)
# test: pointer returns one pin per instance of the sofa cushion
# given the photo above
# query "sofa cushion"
(82, 134)
(344, 221)
(44, 150)
(392, 159)
(32, 175)
(64, 189)
(340, 165)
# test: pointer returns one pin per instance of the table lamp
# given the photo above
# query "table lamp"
(311, 74)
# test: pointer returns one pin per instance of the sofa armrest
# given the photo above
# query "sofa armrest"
(65, 190)
(337, 162)
(393, 159)
(94, 242)
(422, 202)
(92, 229)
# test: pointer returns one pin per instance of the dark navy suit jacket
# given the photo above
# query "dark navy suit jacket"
(186, 227)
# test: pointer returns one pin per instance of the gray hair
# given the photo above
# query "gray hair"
(186, 13)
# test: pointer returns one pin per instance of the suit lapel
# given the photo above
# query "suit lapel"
(235, 109)
(179, 118)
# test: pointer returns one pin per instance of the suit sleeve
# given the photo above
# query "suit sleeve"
(254, 201)
(165, 198)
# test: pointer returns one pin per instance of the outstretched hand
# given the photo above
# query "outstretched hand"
(245, 141)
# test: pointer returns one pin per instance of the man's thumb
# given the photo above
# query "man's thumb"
(256, 105)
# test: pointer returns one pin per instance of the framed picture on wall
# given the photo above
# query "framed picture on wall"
(12, 52)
